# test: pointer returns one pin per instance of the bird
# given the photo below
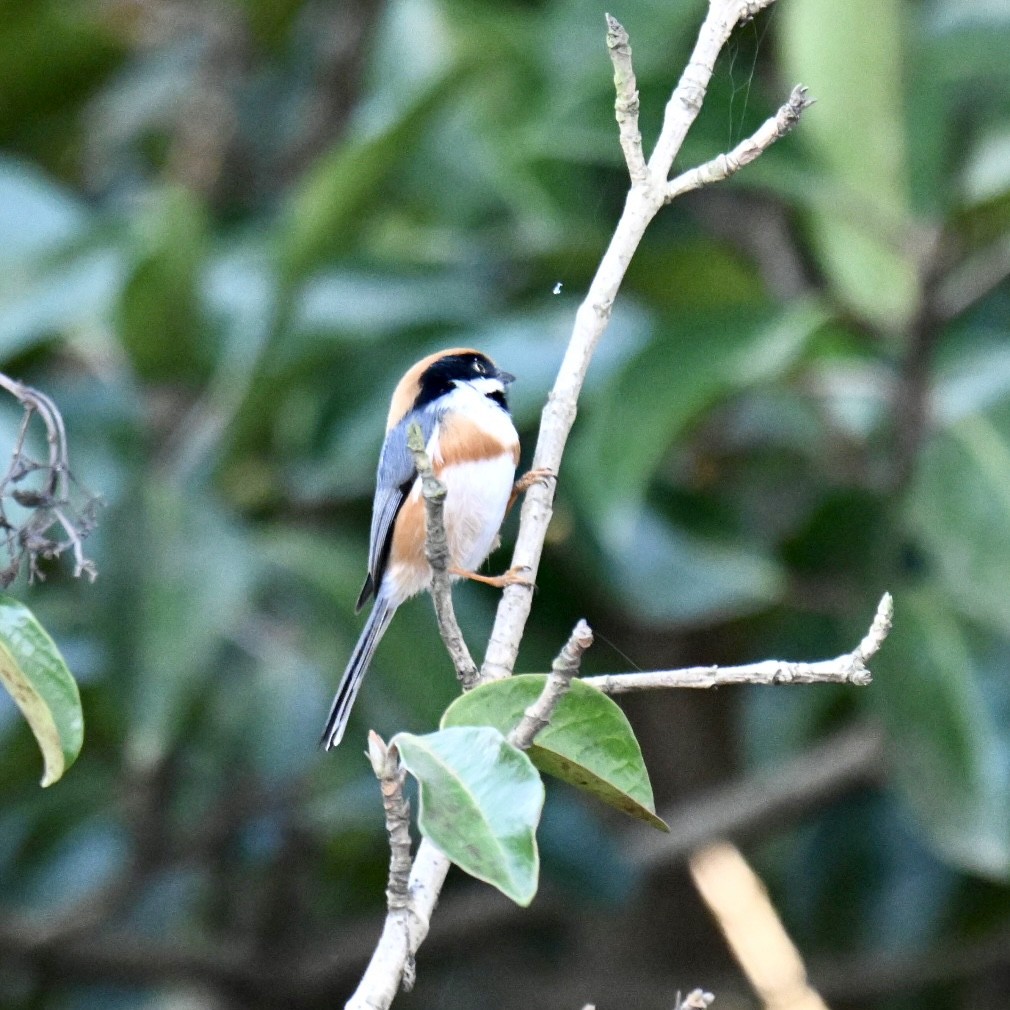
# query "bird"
(457, 398)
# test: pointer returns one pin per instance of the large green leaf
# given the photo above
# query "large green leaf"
(588, 743)
(960, 509)
(33, 671)
(161, 323)
(480, 802)
(850, 56)
(323, 210)
(195, 587)
(670, 382)
(661, 391)
(945, 745)
(36, 215)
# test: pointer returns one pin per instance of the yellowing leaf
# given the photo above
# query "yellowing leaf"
(34, 673)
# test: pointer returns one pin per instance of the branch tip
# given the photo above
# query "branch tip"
(883, 621)
(391, 775)
(617, 34)
(376, 752)
(697, 999)
(57, 499)
(722, 166)
(538, 715)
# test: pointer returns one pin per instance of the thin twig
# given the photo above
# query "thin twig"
(627, 104)
(50, 504)
(378, 986)
(697, 999)
(385, 763)
(643, 203)
(436, 548)
(849, 668)
(685, 103)
(538, 716)
(724, 165)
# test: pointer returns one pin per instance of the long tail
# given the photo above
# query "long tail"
(357, 667)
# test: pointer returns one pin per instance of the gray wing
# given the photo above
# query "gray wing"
(395, 477)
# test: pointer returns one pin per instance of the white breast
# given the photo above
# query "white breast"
(477, 491)
(477, 495)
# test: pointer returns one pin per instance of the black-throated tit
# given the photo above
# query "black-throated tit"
(457, 398)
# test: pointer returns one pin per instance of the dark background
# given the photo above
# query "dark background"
(227, 228)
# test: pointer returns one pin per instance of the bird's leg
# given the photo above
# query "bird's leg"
(540, 475)
(518, 576)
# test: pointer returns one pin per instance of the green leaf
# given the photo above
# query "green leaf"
(480, 802)
(850, 56)
(945, 744)
(960, 509)
(666, 386)
(36, 215)
(195, 586)
(326, 205)
(589, 742)
(683, 578)
(663, 390)
(161, 321)
(33, 671)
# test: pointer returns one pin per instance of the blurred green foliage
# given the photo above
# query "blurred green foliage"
(228, 228)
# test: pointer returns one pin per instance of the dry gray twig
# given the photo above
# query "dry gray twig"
(849, 668)
(626, 105)
(48, 490)
(697, 999)
(437, 552)
(646, 198)
(563, 669)
(722, 166)
(385, 763)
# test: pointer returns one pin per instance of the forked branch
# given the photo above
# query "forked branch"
(849, 668)
(649, 182)
(59, 513)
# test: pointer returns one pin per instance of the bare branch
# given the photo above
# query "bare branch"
(385, 763)
(402, 933)
(849, 668)
(645, 199)
(752, 927)
(437, 551)
(685, 103)
(49, 500)
(724, 165)
(643, 203)
(563, 669)
(626, 105)
(697, 999)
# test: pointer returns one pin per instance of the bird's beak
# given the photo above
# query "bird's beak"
(507, 378)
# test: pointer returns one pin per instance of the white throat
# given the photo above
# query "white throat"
(470, 398)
